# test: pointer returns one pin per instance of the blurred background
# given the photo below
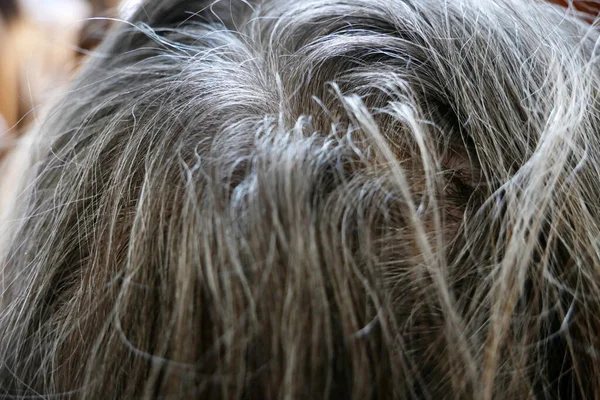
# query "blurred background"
(42, 43)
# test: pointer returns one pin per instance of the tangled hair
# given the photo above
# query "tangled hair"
(341, 199)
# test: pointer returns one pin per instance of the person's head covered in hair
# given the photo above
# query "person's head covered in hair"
(342, 199)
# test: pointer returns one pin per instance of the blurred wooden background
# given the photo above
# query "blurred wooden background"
(40, 47)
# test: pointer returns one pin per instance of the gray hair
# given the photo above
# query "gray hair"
(342, 199)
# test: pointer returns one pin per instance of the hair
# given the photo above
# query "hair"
(341, 199)
(95, 28)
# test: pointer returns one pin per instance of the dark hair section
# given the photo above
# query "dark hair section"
(341, 199)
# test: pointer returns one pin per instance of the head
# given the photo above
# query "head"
(320, 199)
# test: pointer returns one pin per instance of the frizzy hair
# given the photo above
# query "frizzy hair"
(342, 199)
